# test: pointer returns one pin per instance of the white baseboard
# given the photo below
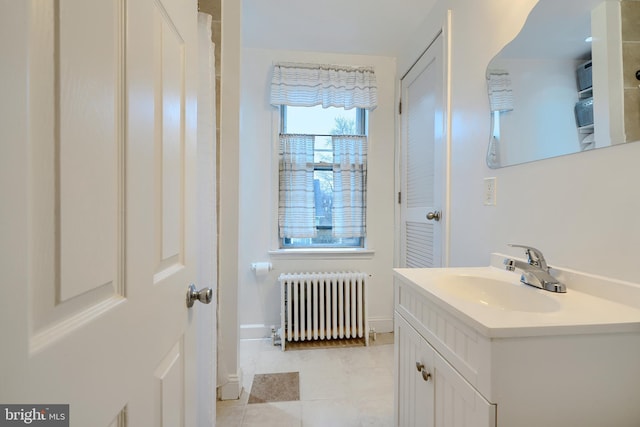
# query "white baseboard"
(381, 324)
(232, 389)
(255, 331)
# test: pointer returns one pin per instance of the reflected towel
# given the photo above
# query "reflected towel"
(499, 89)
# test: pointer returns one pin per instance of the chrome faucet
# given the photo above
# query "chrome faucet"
(535, 272)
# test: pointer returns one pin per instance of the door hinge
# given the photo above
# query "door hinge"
(399, 197)
(400, 107)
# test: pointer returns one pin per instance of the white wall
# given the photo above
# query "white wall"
(259, 298)
(581, 209)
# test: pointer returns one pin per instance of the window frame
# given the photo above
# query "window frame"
(362, 126)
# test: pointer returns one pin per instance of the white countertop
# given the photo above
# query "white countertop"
(576, 311)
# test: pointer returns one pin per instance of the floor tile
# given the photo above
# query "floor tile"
(273, 414)
(339, 387)
(229, 416)
(331, 412)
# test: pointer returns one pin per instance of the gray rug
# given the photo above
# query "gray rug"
(280, 387)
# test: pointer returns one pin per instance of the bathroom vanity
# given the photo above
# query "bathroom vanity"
(475, 347)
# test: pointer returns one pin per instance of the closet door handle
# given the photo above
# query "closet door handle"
(433, 216)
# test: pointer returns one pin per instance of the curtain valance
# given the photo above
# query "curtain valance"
(307, 85)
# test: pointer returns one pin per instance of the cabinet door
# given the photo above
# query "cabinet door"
(414, 396)
(457, 403)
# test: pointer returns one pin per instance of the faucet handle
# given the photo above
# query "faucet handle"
(534, 256)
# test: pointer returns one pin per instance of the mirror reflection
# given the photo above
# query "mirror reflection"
(567, 83)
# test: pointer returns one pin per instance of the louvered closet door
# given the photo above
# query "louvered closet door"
(422, 168)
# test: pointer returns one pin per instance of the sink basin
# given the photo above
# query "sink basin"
(498, 293)
(493, 302)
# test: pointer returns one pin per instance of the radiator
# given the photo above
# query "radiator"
(323, 306)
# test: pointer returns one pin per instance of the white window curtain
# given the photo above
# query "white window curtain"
(296, 210)
(307, 85)
(349, 186)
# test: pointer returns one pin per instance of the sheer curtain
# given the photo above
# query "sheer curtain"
(349, 186)
(296, 209)
(307, 85)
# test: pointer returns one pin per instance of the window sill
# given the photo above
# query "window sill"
(323, 253)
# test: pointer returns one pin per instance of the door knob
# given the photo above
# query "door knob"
(433, 216)
(423, 370)
(204, 295)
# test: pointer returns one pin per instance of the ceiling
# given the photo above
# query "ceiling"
(370, 27)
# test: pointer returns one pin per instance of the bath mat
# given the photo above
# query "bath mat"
(280, 387)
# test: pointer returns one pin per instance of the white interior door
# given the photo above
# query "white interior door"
(423, 160)
(97, 217)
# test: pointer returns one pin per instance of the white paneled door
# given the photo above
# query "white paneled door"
(423, 160)
(98, 121)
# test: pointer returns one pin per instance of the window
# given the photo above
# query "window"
(322, 167)
(323, 152)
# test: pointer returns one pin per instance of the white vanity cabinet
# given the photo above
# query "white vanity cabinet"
(429, 391)
(576, 365)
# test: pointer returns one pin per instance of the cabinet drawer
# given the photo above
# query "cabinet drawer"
(464, 348)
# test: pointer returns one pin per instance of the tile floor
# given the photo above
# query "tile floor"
(339, 387)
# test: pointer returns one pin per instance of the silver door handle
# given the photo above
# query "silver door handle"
(433, 216)
(204, 295)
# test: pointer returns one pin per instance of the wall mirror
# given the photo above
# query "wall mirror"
(567, 82)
